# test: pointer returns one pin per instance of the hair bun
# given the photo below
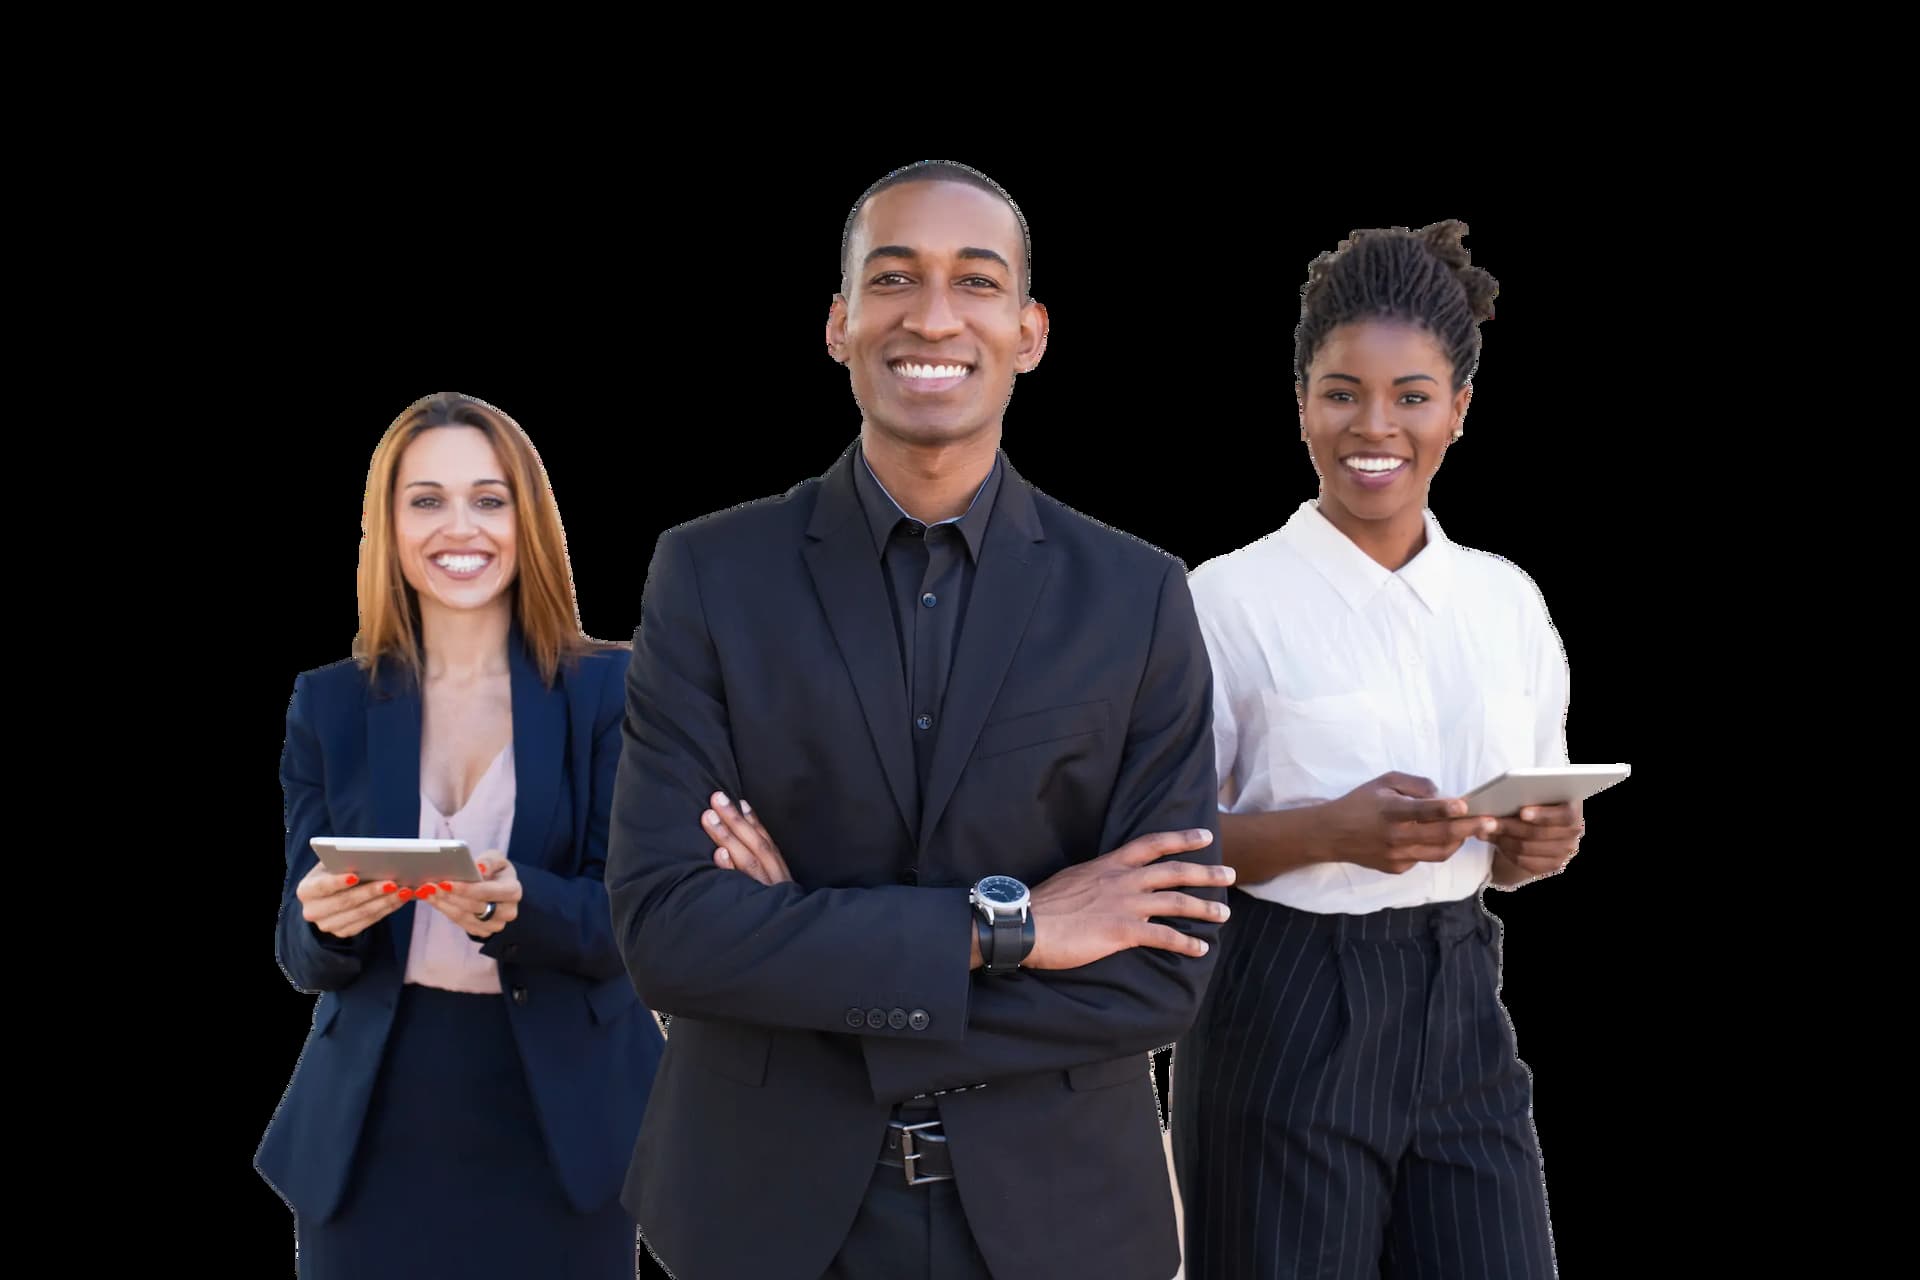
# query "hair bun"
(1446, 241)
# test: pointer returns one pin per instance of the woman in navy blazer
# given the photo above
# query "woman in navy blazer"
(468, 1099)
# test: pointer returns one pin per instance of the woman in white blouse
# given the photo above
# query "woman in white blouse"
(469, 1097)
(1349, 1102)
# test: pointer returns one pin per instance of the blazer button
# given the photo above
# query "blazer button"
(919, 1020)
(519, 995)
(897, 1019)
(856, 1018)
(876, 1018)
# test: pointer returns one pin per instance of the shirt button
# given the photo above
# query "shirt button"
(910, 876)
(918, 1020)
(897, 1019)
(924, 722)
(929, 600)
(856, 1018)
(519, 995)
(876, 1018)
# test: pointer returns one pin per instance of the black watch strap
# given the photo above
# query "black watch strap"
(1004, 943)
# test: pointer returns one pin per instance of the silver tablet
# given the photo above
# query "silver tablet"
(1514, 790)
(405, 862)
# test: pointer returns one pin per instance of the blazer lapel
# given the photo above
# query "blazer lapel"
(539, 750)
(1014, 564)
(852, 588)
(393, 777)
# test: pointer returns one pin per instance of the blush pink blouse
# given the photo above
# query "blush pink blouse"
(442, 955)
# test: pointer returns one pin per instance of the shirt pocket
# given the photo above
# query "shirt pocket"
(1322, 747)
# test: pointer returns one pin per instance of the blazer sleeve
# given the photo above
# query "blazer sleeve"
(564, 922)
(1133, 1001)
(705, 942)
(313, 961)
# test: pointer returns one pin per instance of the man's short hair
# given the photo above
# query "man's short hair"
(940, 171)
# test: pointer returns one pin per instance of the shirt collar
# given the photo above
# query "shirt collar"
(884, 514)
(1358, 576)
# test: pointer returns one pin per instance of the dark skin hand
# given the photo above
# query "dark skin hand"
(1083, 913)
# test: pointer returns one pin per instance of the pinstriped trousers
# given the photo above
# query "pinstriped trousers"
(1349, 1103)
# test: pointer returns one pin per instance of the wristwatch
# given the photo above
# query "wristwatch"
(1005, 926)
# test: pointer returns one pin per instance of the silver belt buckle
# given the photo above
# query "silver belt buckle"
(908, 1155)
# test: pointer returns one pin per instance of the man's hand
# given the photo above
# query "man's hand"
(1093, 909)
(741, 843)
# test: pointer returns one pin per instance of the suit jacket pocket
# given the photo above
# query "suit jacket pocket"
(611, 999)
(1036, 727)
(1104, 1075)
(731, 1049)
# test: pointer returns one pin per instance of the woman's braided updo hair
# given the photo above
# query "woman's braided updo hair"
(1423, 277)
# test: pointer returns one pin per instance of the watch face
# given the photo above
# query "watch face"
(1003, 890)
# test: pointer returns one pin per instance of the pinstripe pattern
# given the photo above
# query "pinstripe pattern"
(1349, 1103)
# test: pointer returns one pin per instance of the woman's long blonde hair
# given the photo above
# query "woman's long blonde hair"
(544, 602)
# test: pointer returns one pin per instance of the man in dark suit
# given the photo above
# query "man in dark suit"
(888, 1056)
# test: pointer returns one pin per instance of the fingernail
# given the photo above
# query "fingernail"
(482, 867)
(1490, 826)
(424, 891)
(447, 885)
(406, 895)
(388, 887)
(1220, 909)
(1528, 815)
(713, 819)
(726, 859)
(1231, 875)
(1204, 948)
(352, 879)
(722, 801)
(745, 807)
(1203, 836)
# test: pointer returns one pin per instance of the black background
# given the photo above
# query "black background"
(657, 330)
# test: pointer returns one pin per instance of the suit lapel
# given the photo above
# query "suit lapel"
(1014, 564)
(393, 777)
(853, 593)
(394, 724)
(539, 753)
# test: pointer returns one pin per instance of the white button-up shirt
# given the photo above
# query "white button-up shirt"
(1330, 671)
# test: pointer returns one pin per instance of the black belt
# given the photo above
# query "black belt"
(916, 1144)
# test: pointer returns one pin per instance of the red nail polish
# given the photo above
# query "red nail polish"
(482, 866)
(352, 879)
(425, 891)
(406, 895)
(388, 887)
(447, 885)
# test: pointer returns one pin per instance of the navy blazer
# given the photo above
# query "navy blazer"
(351, 767)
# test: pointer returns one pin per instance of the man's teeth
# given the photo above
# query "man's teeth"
(931, 370)
(1375, 464)
(461, 564)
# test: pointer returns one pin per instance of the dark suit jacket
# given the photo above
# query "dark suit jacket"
(351, 766)
(1079, 715)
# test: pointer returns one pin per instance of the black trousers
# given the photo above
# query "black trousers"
(1349, 1103)
(908, 1233)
